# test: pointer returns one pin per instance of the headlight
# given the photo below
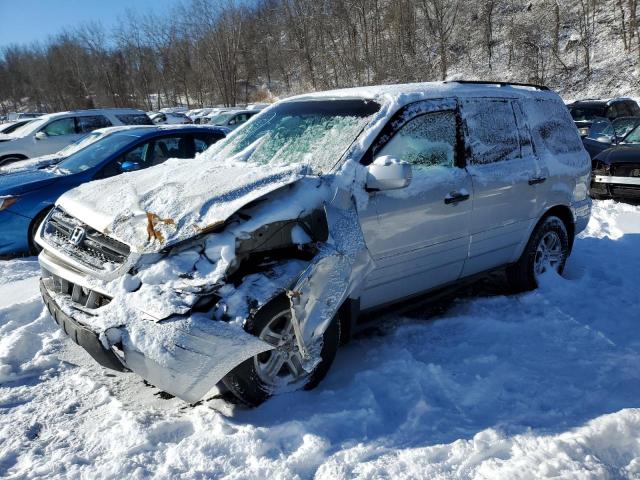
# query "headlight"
(584, 131)
(6, 202)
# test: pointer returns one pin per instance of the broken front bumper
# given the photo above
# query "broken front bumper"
(185, 356)
(81, 335)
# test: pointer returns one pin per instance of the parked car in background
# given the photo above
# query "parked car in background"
(252, 266)
(170, 118)
(23, 115)
(50, 133)
(605, 133)
(54, 158)
(9, 127)
(616, 170)
(232, 119)
(26, 197)
(585, 112)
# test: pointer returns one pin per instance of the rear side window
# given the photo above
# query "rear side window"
(88, 124)
(492, 132)
(554, 132)
(63, 126)
(134, 119)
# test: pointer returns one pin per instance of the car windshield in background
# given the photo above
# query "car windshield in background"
(316, 132)
(221, 119)
(633, 136)
(28, 128)
(581, 114)
(80, 144)
(623, 126)
(95, 153)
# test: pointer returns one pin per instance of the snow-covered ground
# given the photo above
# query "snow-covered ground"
(545, 384)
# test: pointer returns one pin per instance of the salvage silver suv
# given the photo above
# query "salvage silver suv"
(252, 267)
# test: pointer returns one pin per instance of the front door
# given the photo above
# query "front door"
(58, 134)
(419, 236)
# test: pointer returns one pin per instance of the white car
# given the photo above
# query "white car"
(254, 264)
(50, 133)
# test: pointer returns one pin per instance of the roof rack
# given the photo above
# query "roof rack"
(502, 84)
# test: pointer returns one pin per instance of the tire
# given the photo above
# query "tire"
(522, 276)
(249, 382)
(11, 159)
(34, 248)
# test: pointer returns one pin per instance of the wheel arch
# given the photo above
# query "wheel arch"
(17, 156)
(563, 212)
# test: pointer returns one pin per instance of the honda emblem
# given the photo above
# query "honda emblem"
(77, 236)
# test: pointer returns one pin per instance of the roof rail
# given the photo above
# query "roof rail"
(502, 84)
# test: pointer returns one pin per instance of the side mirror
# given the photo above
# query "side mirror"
(388, 173)
(129, 166)
(40, 136)
(604, 139)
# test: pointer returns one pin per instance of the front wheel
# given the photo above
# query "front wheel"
(280, 369)
(548, 248)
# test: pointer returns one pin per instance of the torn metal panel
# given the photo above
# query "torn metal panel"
(339, 268)
(186, 357)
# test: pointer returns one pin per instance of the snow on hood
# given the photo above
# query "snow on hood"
(159, 206)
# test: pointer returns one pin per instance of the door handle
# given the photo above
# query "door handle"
(536, 180)
(455, 197)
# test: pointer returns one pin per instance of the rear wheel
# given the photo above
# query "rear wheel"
(279, 369)
(548, 248)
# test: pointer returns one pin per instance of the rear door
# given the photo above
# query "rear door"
(419, 235)
(505, 175)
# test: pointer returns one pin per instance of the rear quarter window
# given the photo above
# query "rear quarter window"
(134, 119)
(554, 133)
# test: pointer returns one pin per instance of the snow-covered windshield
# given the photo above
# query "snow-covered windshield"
(95, 153)
(222, 118)
(633, 136)
(314, 132)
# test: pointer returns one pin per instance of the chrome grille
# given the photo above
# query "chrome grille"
(81, 297)
(91, 248)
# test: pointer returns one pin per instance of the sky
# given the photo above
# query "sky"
(26, 21)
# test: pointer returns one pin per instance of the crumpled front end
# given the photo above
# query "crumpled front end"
(176, 317)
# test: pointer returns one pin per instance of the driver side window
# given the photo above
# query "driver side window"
(425, 141)
(63, 126)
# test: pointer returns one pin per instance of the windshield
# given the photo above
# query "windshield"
(221, 119)
(587, 113)
(95, 153)
(622, 126)
(80, 144)
(28, 128)
(633, 136)
(315, 132)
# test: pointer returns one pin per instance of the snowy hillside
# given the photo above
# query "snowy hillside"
(544, 384)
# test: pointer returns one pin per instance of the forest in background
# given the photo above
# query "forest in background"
(209, 52)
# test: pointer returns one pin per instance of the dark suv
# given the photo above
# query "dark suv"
(585, 112)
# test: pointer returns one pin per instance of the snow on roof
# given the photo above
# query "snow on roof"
(410, 92)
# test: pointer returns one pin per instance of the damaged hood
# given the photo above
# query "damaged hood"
(156, 207)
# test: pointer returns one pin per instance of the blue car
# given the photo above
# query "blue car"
(27, 196)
